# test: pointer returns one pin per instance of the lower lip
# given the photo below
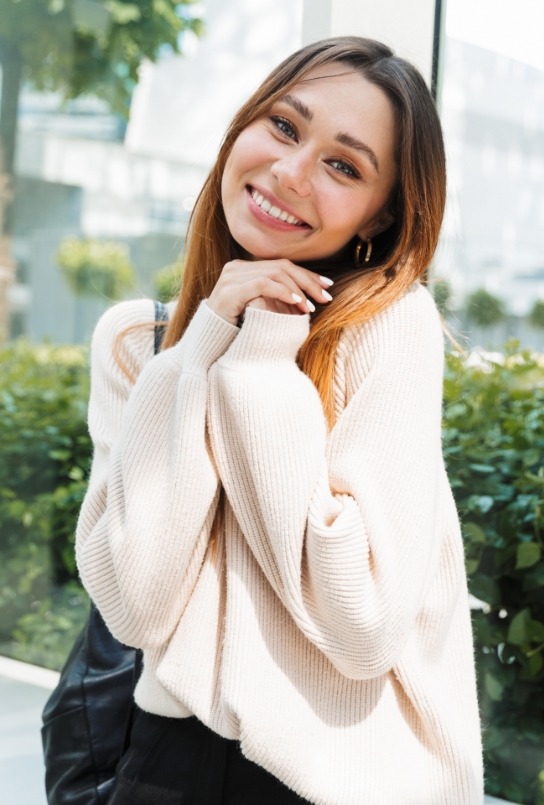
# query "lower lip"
(269, 220)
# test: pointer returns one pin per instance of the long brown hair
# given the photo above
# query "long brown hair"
(417, 201)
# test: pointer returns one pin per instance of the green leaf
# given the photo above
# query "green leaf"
(532, 457)
(123, 12)
(527, 554)
(27, 519)
(485, 588)
(480, 503)
(536, 631)
(483, 468)
(535, 663)
(518, 632)
(493, 687)
(473, 532)
(76, 474)
(471, 566)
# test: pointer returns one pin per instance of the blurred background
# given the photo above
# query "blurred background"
(111, 113)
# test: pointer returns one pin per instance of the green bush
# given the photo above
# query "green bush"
(44, 457)
(167, 282)
(46, 633)
(494, 447)
(96, 267)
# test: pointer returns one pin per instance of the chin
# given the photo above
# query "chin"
(254, 251)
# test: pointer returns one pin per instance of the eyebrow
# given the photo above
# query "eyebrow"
(343, 138)
(351, 142)
(298, 106)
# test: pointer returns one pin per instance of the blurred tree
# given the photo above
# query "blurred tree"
(78, 47)
(485, 309)
(83, 47)
(96, 267)
(536, 316)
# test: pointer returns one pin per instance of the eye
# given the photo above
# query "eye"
(284, 126)
(344, 167)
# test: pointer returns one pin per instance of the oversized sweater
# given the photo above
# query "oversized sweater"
(325, 625)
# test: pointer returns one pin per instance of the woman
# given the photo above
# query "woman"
(268, 514)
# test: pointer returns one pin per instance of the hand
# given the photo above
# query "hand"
(276, 285)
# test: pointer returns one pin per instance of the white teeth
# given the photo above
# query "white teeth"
(275, 212)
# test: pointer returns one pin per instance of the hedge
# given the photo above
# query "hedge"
(494, 448)
(44, 457)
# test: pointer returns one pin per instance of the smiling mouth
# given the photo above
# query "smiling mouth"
(275, 212)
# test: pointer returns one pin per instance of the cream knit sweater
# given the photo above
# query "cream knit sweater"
(327, 626)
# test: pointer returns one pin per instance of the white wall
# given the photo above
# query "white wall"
(407, 27)
(183, 105)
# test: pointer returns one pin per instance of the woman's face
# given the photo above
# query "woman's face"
(318, 169)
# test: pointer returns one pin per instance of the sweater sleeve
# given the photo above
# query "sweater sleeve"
(344, 525)
(144, 522)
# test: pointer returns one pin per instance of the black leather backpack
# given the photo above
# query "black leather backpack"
(87, 718)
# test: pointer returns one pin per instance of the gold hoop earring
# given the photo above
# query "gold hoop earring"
(368, 252)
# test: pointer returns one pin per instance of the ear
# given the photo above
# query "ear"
(376, 225)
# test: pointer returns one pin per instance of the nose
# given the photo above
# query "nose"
(293, 172)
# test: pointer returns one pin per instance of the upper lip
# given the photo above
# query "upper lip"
(276, 202)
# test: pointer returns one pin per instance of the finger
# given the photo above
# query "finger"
(277, 290)
(291, 295)
(326, 281)
(309, 283)
(282, 271)
(281, 307)
(312, 285)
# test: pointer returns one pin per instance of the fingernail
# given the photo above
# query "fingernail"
(327, 296)
(327, 281)
(296, 297)
(311, 306)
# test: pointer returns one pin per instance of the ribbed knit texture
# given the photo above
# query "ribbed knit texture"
(326, 626)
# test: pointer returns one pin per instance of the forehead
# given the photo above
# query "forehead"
(343, 99)
(344, 85)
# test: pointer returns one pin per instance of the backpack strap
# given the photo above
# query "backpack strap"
(161, 314)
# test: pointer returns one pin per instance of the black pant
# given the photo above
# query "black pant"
(179, 761)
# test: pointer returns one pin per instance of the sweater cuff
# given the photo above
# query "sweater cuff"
(268, 336)
(205, 339)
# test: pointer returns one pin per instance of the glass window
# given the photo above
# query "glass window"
(493, 115)
(490, 272)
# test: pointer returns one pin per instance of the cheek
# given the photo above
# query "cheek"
(344, 214)
(226, 179)
(233, 173)
(250, 151)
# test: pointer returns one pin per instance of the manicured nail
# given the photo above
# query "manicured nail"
(296, 297)
(311, 306)
(327, 296)
(327, 281)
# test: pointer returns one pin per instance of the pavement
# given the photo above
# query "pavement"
(23, 692)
